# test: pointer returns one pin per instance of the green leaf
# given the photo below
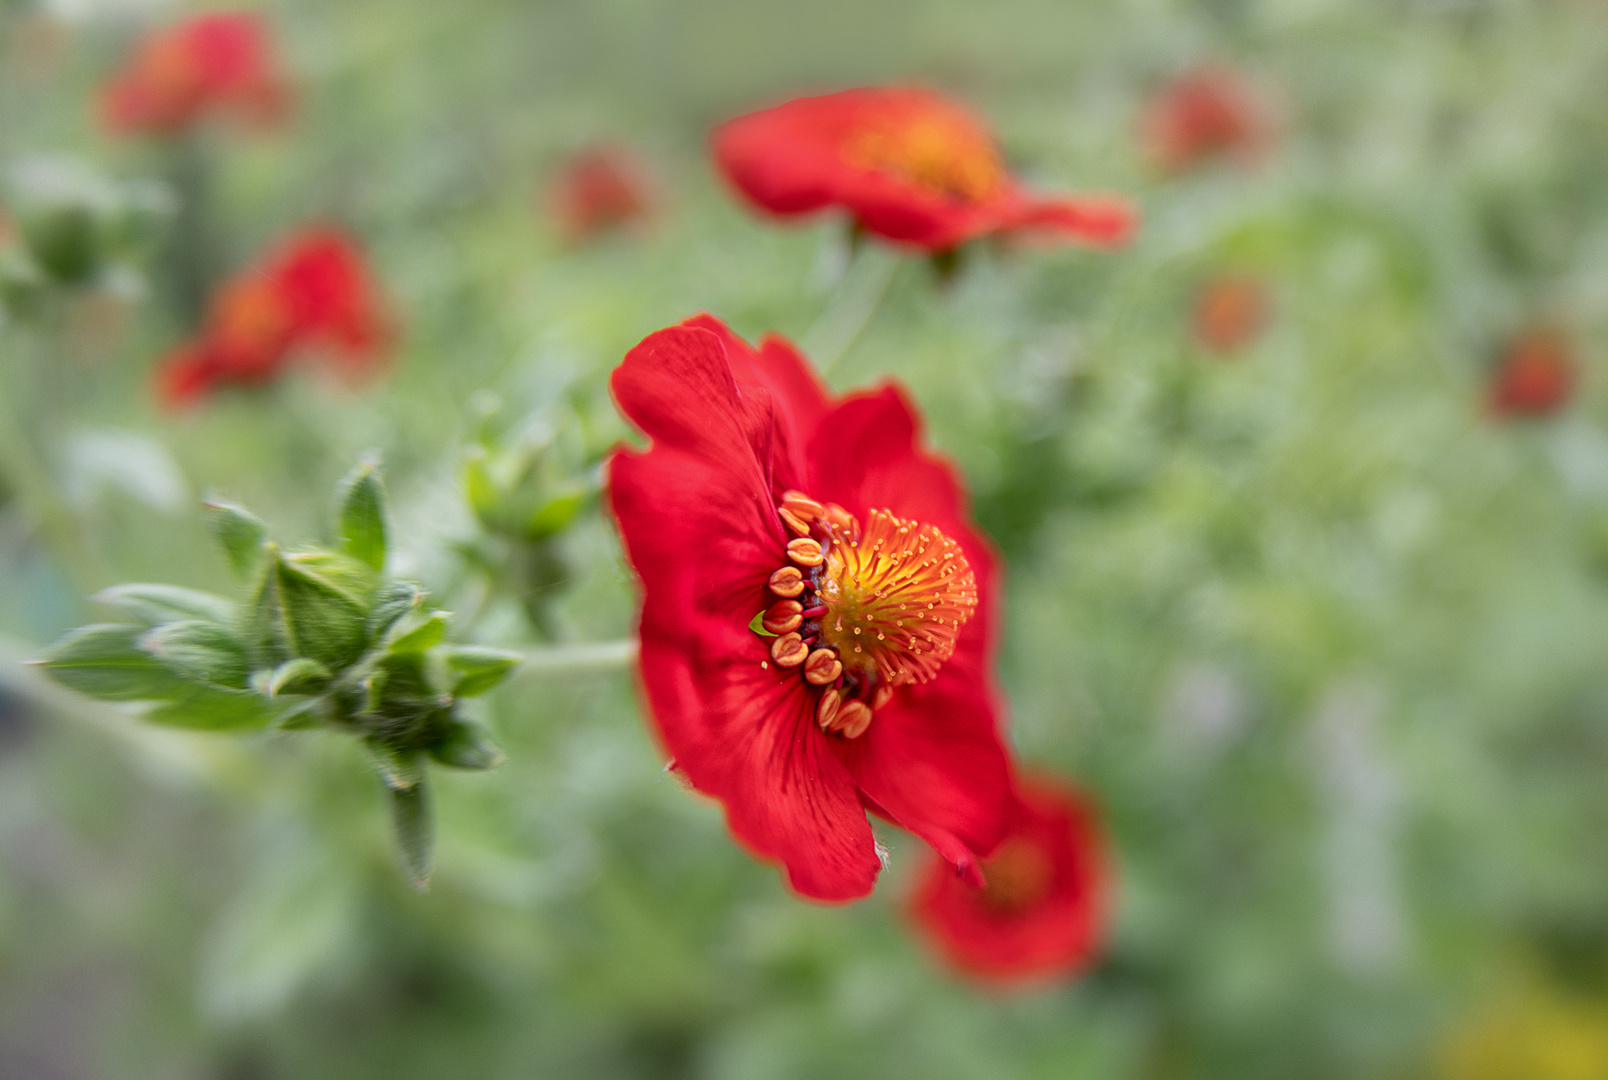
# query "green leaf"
(303, 609)
(555, 515)
(242, 535)
(399, 769)
(480, 488)
(362, 515)
(105, 661)
(156, 604)
(415, 635)
(466, 744)
(211, 708)
(413, 826)
(478, 669)
(298, 676)
(200, 651)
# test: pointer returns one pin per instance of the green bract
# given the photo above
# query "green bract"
(321, 638)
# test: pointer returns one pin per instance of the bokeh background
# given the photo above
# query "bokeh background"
(1322, 631)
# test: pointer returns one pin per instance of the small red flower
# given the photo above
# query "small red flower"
(1204, 115)
(1231, 311)
(1535, 376)
(217, 64)
(600, 189)
(817, 622)
(314, 292)
(907, 164)
(1042, 911)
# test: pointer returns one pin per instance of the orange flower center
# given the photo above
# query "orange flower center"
(896, 596)
(862, 611)
(1019, 876)
(945, 155)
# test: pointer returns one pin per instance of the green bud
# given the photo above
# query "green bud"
(307, 606)
(393, 601)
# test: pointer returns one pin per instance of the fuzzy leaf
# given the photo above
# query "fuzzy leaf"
(211, 708)
(478, 669)
(302, 610)
(201, 651)
(298, 676)
(413, 826)
(398, 769)
(394, 601)
(105, 661)
(555, 515)
(362, 515)
(156, 604)
(415, 635)
(466, 744)
(242, 535)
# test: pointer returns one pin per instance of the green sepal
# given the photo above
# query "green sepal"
(299, 676)
(393, 601)
(200, 651)
(105, 661)
(307, 606)
(213, 708)
(241, 534)
(417, 634)
(477, 669)
(413, 827)
(399, 769)
(157, 604)
(466, 744)
(754, 624)
(362, 515)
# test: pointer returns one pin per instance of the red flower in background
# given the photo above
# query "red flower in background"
(817, 623)
(906, 164)
(1231, 311)
(218, 64)
(1042, 910)
(1535, 376)
(314, 292)
(599, 189)
(1203, 115)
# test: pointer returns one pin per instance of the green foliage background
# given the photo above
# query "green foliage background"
(1325, 640)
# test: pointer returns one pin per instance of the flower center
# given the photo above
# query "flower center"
(862, 611)
(1019, 876)
(940, 154)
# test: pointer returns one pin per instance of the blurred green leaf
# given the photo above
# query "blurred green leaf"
(478, 669)
(467, 744)
(426, 632)
(298, 676)
(362, 515)
(413, 827)
(242, 536)
(211, 708)
(155, 604)
(555, 515)
(106, 661)
(203, 651)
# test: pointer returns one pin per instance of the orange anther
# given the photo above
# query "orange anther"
(792, 521)
(828, 708)
(782, 616)
(804, 551)
(822, 667)
(789, 650)
(801, 506)
(852, 719)
(882, 696)
(788, 581)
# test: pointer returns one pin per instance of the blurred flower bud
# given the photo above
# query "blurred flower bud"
(1535, 374)
(1231, 311)
(602, 188)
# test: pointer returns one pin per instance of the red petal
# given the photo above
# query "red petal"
(1107, 221)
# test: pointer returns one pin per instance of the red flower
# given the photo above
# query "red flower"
(312, 293)
(599, 189)
(1535, 376)
(1231, 311)
(763, 508)
(907, 165)
(1202, 115)
(220, 63)
(1043, 909)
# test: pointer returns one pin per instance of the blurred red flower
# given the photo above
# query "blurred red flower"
(907, 164)
(599, 189)
(1231, 311)
(217, 64)
(313, 292)
(1535, 375)
(1042, 910)
(817, 622)
(1202, 115)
